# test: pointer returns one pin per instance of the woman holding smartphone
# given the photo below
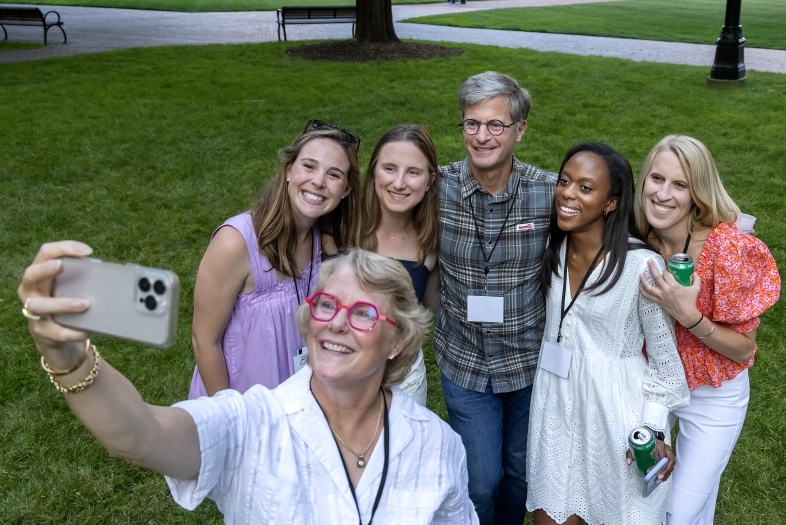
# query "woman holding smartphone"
(594, 384)
(401, 220)
(262, 264)
(682, 207)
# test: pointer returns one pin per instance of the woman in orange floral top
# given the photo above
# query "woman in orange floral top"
(682, 206)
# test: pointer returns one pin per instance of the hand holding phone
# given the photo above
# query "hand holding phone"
(650, 480)
(127, 301)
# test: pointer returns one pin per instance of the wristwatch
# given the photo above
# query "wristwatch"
(657, 433)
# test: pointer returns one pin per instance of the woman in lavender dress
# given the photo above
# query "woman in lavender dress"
(260, 265)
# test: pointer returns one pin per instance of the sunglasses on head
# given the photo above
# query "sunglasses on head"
(318, 125)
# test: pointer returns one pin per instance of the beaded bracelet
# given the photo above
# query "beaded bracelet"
(69, 370)
(83, 384)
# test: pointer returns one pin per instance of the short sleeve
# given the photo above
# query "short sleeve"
(220, 422)
(746, 280)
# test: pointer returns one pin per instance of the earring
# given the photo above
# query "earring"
(392, 357)
(287, 180)
(605, 214)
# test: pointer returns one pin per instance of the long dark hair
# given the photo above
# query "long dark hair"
(620, 223)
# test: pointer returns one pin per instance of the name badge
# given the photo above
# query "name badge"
(485, 309)
(300, 358)
(555, 358)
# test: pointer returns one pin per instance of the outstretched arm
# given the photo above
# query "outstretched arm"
(163, 439)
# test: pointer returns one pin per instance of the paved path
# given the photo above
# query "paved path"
(92, 30)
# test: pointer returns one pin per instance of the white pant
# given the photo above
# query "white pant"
(709, 428)
(414, 384)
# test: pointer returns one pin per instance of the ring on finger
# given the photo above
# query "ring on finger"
(26, 311)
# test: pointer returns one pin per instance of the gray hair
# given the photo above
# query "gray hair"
(388, 278)
(485, 86)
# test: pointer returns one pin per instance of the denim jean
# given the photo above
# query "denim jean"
(493, 428)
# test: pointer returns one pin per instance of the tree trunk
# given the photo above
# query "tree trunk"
(375, 21)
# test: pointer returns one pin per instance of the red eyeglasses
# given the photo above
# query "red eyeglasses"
(363, 317)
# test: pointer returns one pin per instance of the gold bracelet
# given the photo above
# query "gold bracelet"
(86, 382)
(709, 334)
(69, 370)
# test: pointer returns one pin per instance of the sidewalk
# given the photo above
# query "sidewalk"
(92, 30)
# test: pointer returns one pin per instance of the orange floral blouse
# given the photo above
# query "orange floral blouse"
(739, 282)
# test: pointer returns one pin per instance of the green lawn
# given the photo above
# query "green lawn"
(763, 21)
(142, 153)
(200, 6)
(12, 46)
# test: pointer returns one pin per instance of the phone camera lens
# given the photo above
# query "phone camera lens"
(144, 284)
(159, 287)
(150, 302)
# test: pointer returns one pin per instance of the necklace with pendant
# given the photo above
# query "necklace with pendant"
(362, 457)
(399, 233)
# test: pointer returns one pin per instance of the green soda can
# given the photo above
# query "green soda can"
(681, 267)
(642, 444)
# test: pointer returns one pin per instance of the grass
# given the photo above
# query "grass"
(142, 153)
(201, 6)
(699, 21)
(13, 46)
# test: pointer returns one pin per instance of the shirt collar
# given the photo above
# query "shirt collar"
(470, 185)
(308, 422)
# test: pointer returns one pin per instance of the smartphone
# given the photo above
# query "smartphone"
(127, 301)
(651, 478)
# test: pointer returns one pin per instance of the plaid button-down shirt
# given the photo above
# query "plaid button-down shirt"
(472, 353)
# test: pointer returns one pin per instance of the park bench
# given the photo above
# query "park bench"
(314, 15)
(29, 16)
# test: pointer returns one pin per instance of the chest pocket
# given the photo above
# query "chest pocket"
(278, 501)
(413, 507)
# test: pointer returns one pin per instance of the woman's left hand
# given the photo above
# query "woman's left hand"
(664, 451)
(679, 301)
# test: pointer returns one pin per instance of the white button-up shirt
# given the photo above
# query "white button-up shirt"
(268, 456)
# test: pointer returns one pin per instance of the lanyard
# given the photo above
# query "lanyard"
(477, 230)
(687, 243)
(386, 430)
(565, 283)
(310, 271)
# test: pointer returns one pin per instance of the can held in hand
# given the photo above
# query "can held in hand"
(642, 444)
(681, 267)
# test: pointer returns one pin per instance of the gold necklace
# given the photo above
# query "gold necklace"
(399, 233)
(362, 457)
(304, 237)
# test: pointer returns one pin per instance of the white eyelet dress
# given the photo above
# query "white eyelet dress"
(579, 426)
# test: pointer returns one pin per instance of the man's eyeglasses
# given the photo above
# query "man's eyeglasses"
(363, 317)
(495, 127)
(348, 136)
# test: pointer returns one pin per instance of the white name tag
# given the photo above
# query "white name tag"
(555, 358)
(300, 358)
(485, 309)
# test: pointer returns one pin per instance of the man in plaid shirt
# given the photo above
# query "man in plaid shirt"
(494, 214)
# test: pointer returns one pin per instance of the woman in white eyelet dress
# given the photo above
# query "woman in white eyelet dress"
(579, 426)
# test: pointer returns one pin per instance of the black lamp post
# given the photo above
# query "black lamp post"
(729, 66)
